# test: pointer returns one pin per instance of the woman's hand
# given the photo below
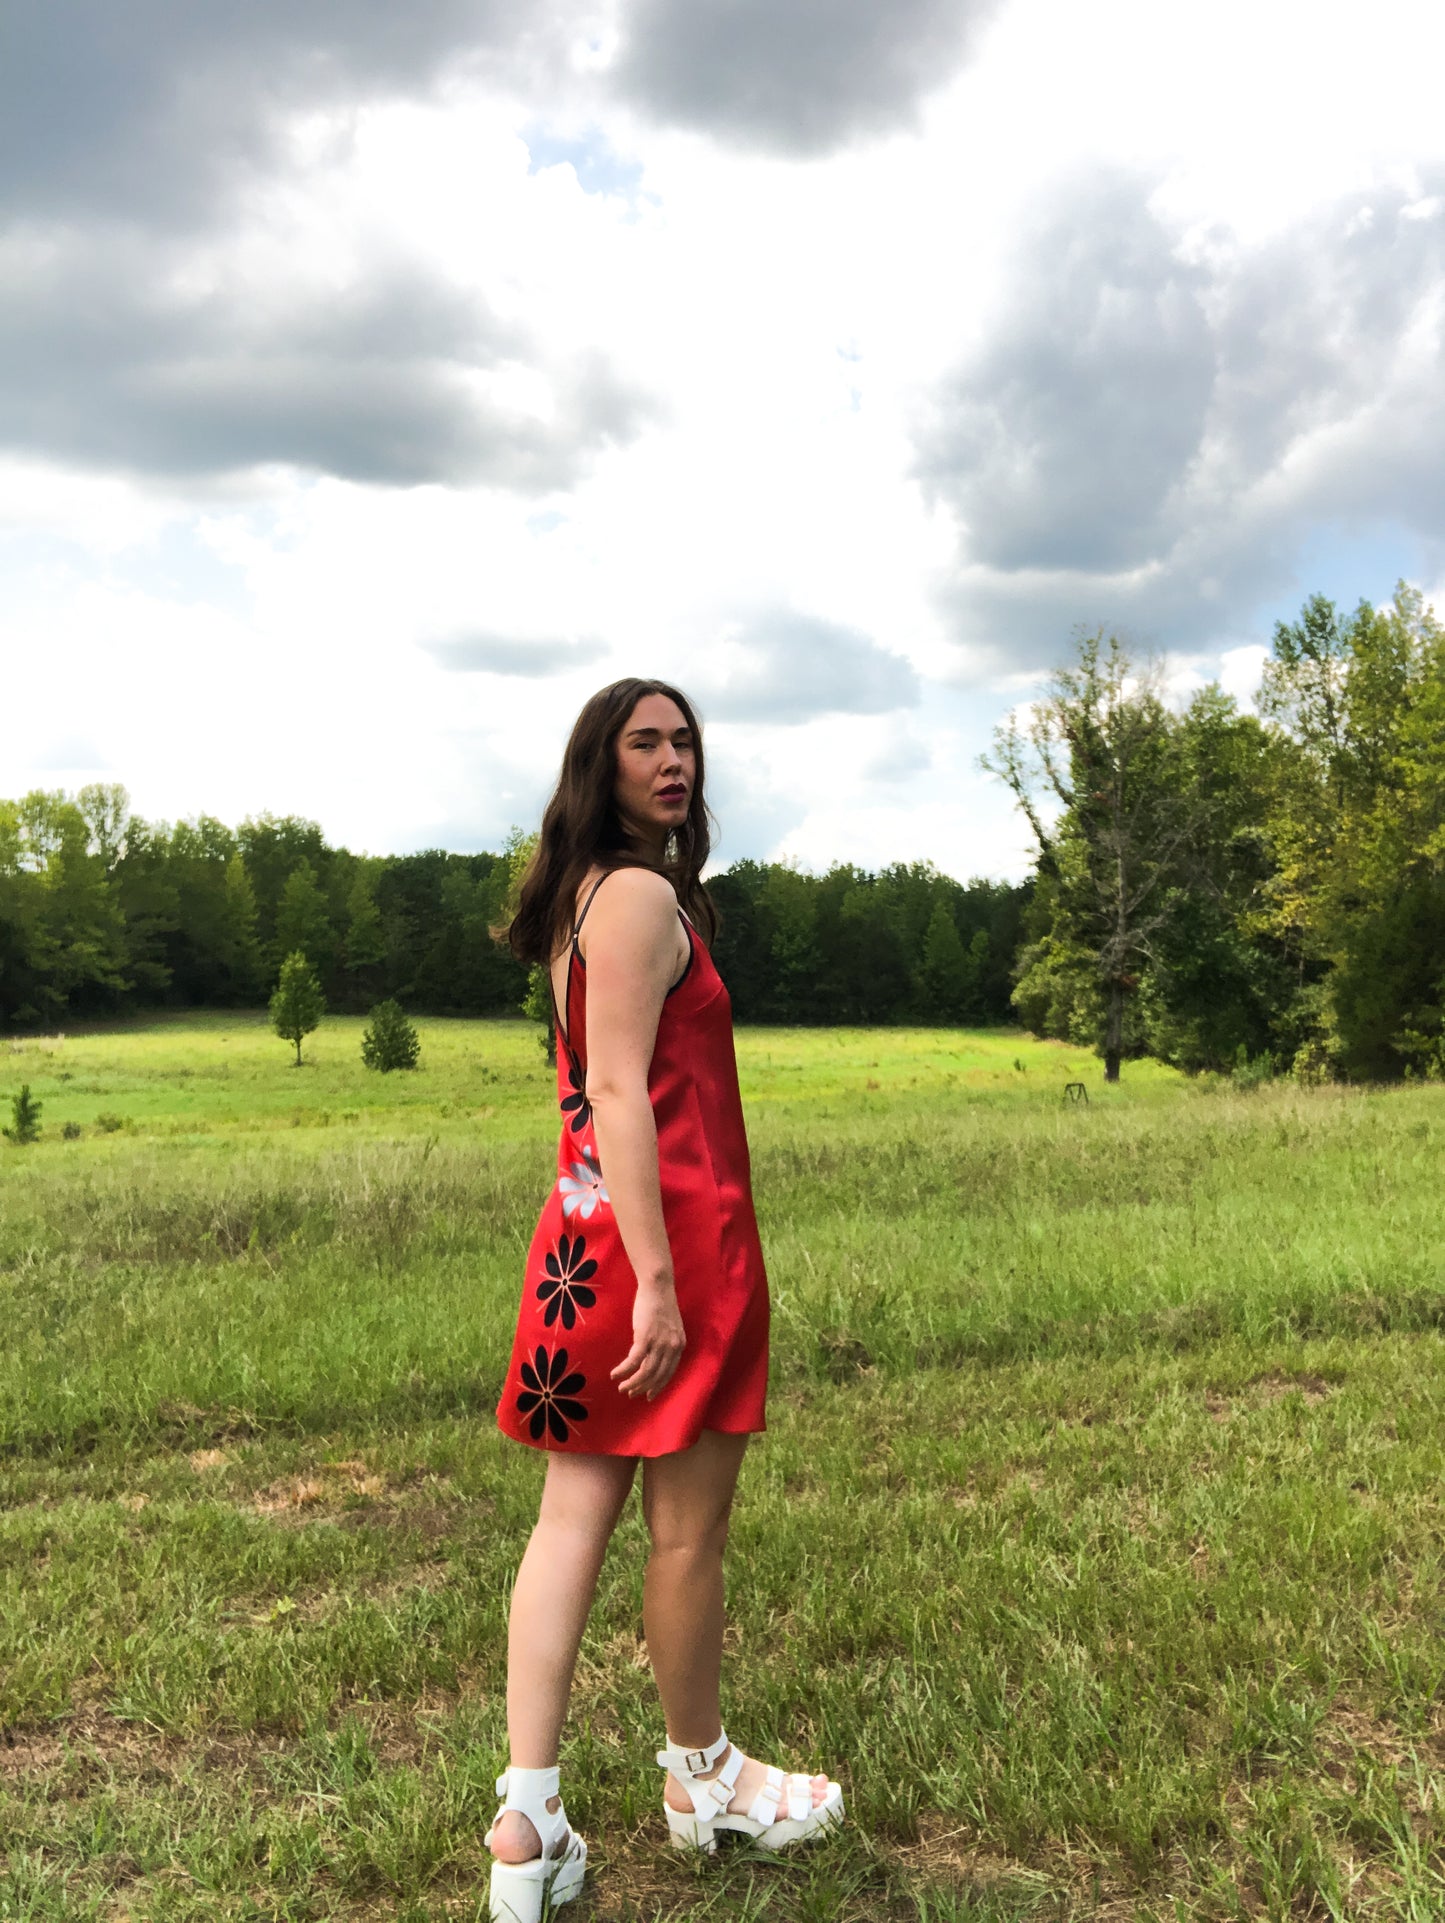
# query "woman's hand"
(658, 1340)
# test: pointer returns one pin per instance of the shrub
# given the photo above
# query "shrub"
(1313, 1063)
(389, 1040)
(26, 1113)
(71, 1132)
(1251, 1071)
(109, 1124)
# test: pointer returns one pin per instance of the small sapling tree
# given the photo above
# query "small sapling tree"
(25, 1111)
(297, 1005)
(389, 1041)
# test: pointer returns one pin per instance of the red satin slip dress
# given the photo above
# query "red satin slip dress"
(575, 1323)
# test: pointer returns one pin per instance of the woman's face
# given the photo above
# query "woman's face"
(656, 768)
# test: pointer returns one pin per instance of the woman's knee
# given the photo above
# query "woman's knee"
(687, 1532)
(583, 1496)
(687, 1498)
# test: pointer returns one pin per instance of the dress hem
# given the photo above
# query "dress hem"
(638, 1455)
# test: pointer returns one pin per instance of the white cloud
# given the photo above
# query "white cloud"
(74, 756)
(509, 362)
(1240, 670)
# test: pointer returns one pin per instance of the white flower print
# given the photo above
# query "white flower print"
(583, 1189)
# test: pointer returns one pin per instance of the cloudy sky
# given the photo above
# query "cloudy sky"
(375, 382)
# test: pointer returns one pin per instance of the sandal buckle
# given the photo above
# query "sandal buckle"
(695, 1767)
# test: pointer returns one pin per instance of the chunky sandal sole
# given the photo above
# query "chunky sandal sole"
(520, 1892)
(688, 1831)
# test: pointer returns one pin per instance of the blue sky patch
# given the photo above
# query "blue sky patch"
(1349, 565)
(598, 167)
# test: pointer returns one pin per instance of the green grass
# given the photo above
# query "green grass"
(1096, 1541)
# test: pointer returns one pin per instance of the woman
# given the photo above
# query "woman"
(644, 1323)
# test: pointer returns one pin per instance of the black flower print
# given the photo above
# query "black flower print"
(576, 1104)
(550, 1395)
(564, 1290)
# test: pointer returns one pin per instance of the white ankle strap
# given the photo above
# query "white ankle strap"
(528, 1791)
(692, 1762)
(522, 1787)
(708, 1798)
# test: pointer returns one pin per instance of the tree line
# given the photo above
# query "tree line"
(102, 912)
(1217, 888)
(1221, 889)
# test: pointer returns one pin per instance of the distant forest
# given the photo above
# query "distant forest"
(1223, 890)
(103, 912)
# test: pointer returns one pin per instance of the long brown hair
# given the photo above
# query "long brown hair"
(582, 828)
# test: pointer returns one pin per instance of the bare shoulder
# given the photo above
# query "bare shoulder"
(637, 891)
(637, 905)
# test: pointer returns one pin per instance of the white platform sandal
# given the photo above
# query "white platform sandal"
(768, 1822)
(520, 1891)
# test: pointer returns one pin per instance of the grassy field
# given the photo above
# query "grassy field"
(1096, 1541)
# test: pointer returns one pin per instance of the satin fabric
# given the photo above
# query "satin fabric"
(575, 1322)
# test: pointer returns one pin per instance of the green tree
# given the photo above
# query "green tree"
(1105, 750)
(24, 989)
(105, 806)
(79, 937)
(238, 949)
(25, 1111)
(302, 921)
(740, 949)
(947, 975)
(389, 1041)
(143, 884)
(1357, 897)
(365, 945)
(1303, 686)
(789, 917)
(213, 951)
(1381, 916)
(1303, 697)
(863, 972)
(491, 976)
(297, 1004)
(1219, 979)
(273, 846)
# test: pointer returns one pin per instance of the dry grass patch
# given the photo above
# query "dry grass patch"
(332, 1486)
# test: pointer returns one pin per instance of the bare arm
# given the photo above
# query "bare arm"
(631, 944)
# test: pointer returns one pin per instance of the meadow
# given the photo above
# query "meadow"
(1095, 1543)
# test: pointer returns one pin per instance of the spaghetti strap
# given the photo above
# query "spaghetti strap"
(565, 1025)
(591, 892)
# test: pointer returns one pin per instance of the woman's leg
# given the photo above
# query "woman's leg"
(687, 1499)
(581, 1501)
